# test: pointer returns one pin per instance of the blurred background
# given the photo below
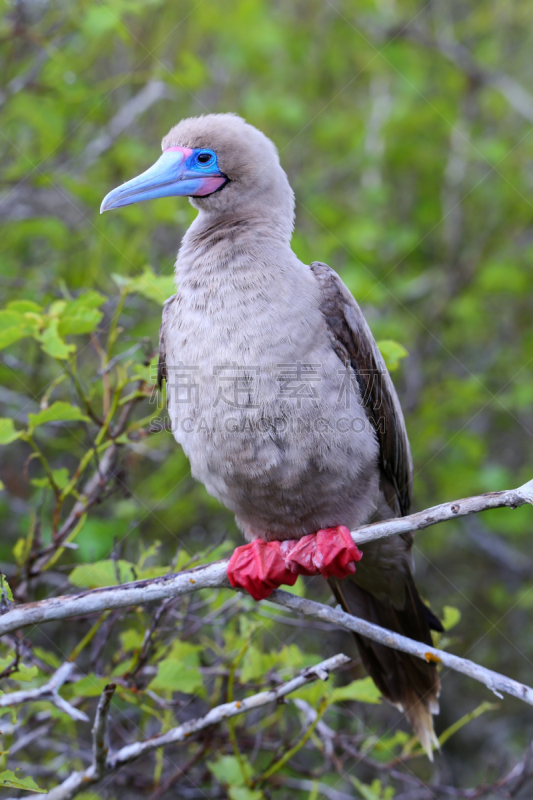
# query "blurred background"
(406, 131)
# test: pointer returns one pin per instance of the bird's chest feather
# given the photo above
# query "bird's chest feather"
(258, 399)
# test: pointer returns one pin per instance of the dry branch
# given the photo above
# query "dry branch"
(214, 576)
(49, 691)
(510, 498)
(152, 93)
(496, 683)
(104, 763)
(100, 748)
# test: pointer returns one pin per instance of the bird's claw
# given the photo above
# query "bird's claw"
(260, 567)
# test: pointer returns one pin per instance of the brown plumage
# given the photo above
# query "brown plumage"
(245, 302)
(409, 683)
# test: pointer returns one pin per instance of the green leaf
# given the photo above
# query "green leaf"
(24, 306)
(174, 676)
(8, 433)
(12, 714)
(57, 412)
(256, 663)
(89, 686)
(15, 325)
(179, 671)
(102, 573)
(383, 748)
(23, 673)
(53, 344)
(298, 588)
(451, 616)
(228, 772)
(5, 588)
(392, 353)
(154, 287)
(131, 640)
(374, 791)
(244, 793)
(364, 691)
(313, 693)
(9, 780)
(98, 21)
(152, 572)
(20, 550)
(145, 373)
(61, 478)
(81, 315)
(47, 656)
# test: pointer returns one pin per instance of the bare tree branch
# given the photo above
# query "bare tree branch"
(215, 576)
(100, 748)
(493, 680)
(103, 764)
(50, 691)
(144, 99)
(511, 498)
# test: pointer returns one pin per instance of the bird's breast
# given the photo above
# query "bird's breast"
(283, 441)
(270, 419)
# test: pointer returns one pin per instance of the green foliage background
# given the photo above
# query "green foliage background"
(413, 177)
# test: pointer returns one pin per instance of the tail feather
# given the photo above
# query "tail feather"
(411, 684)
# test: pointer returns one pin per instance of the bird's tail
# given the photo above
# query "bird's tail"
(411, 684)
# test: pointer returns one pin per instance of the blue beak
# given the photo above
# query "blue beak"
(176, 174)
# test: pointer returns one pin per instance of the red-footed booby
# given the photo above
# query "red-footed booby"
(280, 398)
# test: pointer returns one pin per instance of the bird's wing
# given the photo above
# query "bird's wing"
(384, 594)
(354, 344)
(162, 363)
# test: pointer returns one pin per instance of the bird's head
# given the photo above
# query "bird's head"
(223, 164)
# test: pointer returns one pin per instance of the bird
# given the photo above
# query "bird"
(281, 400)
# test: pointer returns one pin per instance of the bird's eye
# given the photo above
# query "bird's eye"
(204, 158)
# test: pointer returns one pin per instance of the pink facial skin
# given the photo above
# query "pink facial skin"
(208, 186)
(185, 150)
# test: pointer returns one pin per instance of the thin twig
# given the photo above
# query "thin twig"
(49, 691)
(90, 495)
(214, 575)
(100, 748)
(179, 773)
(511, 498)
(145, 98)
(493, 680)
(79, 781)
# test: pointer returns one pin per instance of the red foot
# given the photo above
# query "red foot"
(260, 567)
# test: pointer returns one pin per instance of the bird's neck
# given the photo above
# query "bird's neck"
(240, 289)
(219, 248)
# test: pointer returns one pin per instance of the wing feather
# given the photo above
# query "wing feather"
(354, 344)
(162, 362)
